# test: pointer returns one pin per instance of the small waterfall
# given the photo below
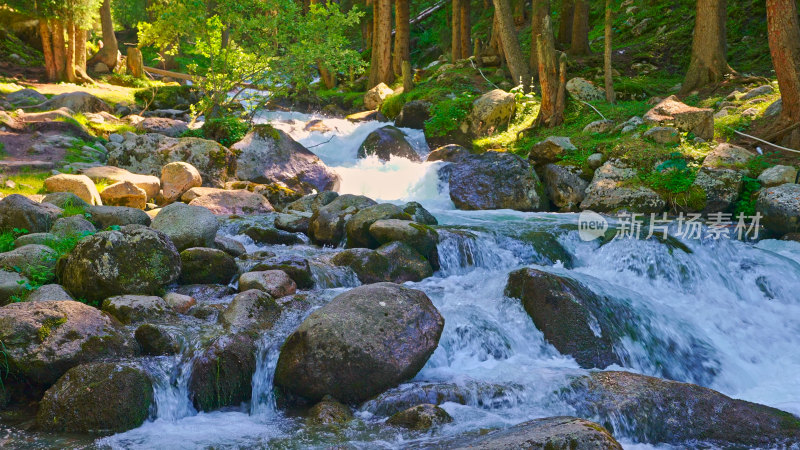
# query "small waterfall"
(461, 251)
(262, 403)
(170, 376)
(327, 276)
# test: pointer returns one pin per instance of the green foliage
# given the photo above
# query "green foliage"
(759, 163)
(227, 130)
(674, 175)
(70, 210)
(3, 152)
(26, 182)
(447, 115)
(7, 239)
(128, 13)
(747, 201)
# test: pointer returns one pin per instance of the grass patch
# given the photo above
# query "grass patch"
(27, 183)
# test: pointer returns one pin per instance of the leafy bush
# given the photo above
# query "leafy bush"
(747, 202)
(227, 130)
(447, 115)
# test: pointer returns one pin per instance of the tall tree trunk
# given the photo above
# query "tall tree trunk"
(784, 47)
(402, 51)
(328, 78)
(565, 22)
(466, 29)
(69, 67)
(540, 10)
(508, 35)
(80, 54)
(495, 43)
(367, 26)
(551, 74)
(456, 30)
(47, 50)
(709, 49)
(609, 76)
(383, 43)
(59, 49)
(580, 29)
(519, 11)
(373, 62)
(107, 55)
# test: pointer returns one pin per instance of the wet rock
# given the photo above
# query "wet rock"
(30, 259)
(311, 203)
(421, 238)
(357, 228)
(124, 193)
(414, 115)
(17, 211)
(374, 97)
(777, 175)
(187, 226)
(328, 412)
(551, 149)
(612, 189)
(491, 112)
(495, 180)
(72, 226)
(107, 216)
(163, 125)
(181, 303)
(251, 309)
(599, 127)
(177, 178)
(653, 410)
(780, 208)
(266, 155)
(229, 246)
(135, 308)
(419, 214)
(207, 266)
(727, 156)
(47, 293)
(722, 188)
(149, 183)
(101, 266)
(276, 283)
(387, 142)
(78, 101)
(296, 267)
(564, 186)
(367, 330)
(222, 374)
(583, 89)
(327, 223)
(45, 339)
(293, 223)
(663, 135)
(156, 340)
(549, 433)
(271, 236)
(449, 153)
(79, 185)
(671, 112)
(395, 262)
(97, 398)
(11, 286)
(366, 116)
(489, 396)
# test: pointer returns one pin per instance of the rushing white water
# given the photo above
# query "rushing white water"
(730, 312)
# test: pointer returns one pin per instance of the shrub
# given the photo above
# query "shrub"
(447, 115)
(227, 130)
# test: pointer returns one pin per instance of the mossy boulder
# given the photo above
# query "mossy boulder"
(327, 222)
(421, 238)
(131, 260)
(387, 142)
(564, 185)
(17, 211)
(207, 266)
(420, 417)
(222, 374)
(357, 228)
(97, 398)
(328, 412)
(419, 214)
(561, 432)
(395, 262)
(253, 309)
(136, 308)
(43, 340)
(361, 343)
(187, 226)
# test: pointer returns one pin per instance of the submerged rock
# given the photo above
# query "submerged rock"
(420, 417)
(156, 340)
(361, 343)
(548, 433)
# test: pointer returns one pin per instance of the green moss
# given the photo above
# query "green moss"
(265, 131)
(48, 325)
(226, 130)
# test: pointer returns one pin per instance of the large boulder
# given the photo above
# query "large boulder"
(78, 101)
(613, 189)
(421, 238)
(780, 208)
(585, 90)
(327, 223)
(222, 375)
(252, 309)
(722, 188)
(564, 186)
(491, 112)
(97, 398)
(778, 175)
(551, 149)
(387, 142)
(42, 340)
(727, 156)
(549, 433)
(187, 226)
(177, 178)
(267, 155)
(106, 216)
(131, 260)
(149, 183)
(374, 97)
(207, 266)
(395, 262)
(17, 211)
(124, 193)
(671, 112)
(361, 343)
(224, 202)
(357, 228)
(653, 410)
(414, 115)
(495, 180)
(80, 185)
(148, 153)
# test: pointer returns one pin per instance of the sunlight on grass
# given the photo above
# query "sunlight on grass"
(27, 183)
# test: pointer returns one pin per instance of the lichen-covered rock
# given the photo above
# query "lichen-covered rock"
(495, 180)
(43, 340)
(585, 90)
(671, 111)
(721, 187)
(163, 125)
(251, 309)
(653, 410)
(420, 417)
(48, 293)
(177, 178)
(357, 228)
(780, 208)
(327, 223)
(157, 340)
(136, 308)
(17, 211)
(387, 142)
(550, 149)
(222, 375)
(491, 112)
(599, 126)
(328, 412)
(207, 266)
(612, 189)
(97, 398)
(374, 97)
(414, 114)
(131, 260)
(276, 283)
(224, 202)
(564, 186)
(187, 226)
(30, 259)
(148, 153)
(361, 343)
(777, 175)
(79, 185)
(663, 135)
(726, 156)
(124, 193)
(149, 183)
(266, 155)
(72, 226)
(561, 432)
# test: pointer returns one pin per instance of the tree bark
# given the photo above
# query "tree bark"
(383, 43)
(709, 49)
(508, 36)
(47, 51)
(107, 55)
(466, 29)
(135, 62)
(59, 49)
(784, 46)
(552, 78)
(519, 11)
(565, 22)
(327, 77)
(609, 76)
(496, 44)
(69, 67)
(580, 29)
(373, 63)
(456, 31)
(408, 77)
(540, 10)
(402, 51)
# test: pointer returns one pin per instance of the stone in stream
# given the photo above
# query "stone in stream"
(421, 417)
(136, 308)
(156, 340)
(102, 265)
(229, 246)
(293, 223)
(407, 395)
(42, 340)
(614, 188)
(222, 375)
(419, 214)
(276, 283)
(225, 202)
(17, 211)
(77, 101)
(395, 262)
(357, 228)
(251, 309)
(187, 226)
(780, 206)
(387, 142)
(652, 410)
(207, 266)
(564, 185)
(295, 266)
(361, 343)
(97, 398)
(421, 238)
(414, 114)
(328, 412)
(271, 236)
(496, 180)
(327, 223)
(549, 433)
